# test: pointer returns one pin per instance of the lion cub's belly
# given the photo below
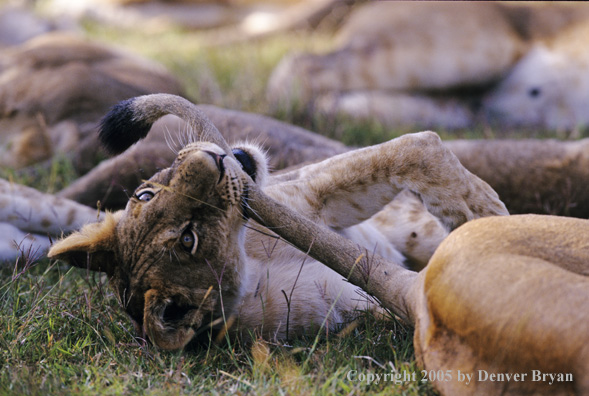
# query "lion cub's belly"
(285, 302)
(289, 293)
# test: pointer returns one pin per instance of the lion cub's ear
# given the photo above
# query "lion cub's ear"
(92, 247)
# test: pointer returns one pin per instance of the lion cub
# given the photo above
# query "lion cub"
(183, 254)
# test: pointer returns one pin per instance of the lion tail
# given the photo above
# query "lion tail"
(130, 121)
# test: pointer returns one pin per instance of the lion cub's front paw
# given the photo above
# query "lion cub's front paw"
(468, 199)
(483, 201)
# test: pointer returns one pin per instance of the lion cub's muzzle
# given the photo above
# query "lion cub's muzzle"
(198, 172)
(170, 319)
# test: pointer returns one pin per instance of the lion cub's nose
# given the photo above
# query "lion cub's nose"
(219, 162)
(218, 159)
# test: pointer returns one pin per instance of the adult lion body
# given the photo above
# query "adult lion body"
(180, 255)
(506, 296)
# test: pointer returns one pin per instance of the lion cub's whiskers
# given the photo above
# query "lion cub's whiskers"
(186, 135)
(175, 253)
(172, 145)
(171, 254)
(167, 188)
(246, 204)
(191, 134)
(262, 232)
(208, 326)
(251, 210)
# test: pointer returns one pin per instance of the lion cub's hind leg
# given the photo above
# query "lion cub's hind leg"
(407, 225)
(348, 189)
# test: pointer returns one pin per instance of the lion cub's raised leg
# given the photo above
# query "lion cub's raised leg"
(347, 189)
(407, 225)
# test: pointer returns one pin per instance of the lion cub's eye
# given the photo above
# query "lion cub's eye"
(145, 195)
(189, 240)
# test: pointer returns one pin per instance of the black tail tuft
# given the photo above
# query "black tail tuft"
(121, 127)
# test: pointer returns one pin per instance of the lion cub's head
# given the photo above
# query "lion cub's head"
(178, 244)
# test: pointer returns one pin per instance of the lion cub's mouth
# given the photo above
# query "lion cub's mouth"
(170, 318)
(175, 312)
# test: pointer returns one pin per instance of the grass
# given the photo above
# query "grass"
(49, 177)
(64, 333)
(231, 76)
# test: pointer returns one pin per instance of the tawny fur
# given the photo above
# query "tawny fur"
(503, 294)
(507, 295)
